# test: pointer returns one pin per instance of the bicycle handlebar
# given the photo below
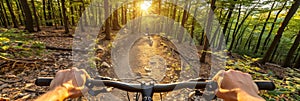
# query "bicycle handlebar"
(131, 87)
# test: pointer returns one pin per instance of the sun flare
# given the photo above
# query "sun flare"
(146, 5)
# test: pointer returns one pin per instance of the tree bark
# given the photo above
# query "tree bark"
(4, 19)
(44, 12)
(72, 13)
(28, 16)
(36, 16)
(66, 20)
(208, 30)
(235, 29)
(60, 12)
(20, 11)
(49, 21)
(116, 25)
(107, 21)
(292, 51)
(263, 29)
(226, 25)
(272, 27)
(12, 14)
(277, 38)
(297, 65)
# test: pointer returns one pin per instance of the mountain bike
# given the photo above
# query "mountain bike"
(148, 89)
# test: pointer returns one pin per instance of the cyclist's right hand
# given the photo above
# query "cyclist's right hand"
(236, 86)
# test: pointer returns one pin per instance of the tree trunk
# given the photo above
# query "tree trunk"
(274, 53)
(297, 65)
(277, 38)
(208, 30)
(116, 25)
(36, 16)
(3, 16)
(263, 29)
(235, 29)
(20, 11)
(66, 20)
(49, 21)
(72, 13)
(44, 12)
(28, 16)
(193, 25)
(13, 17)
(183, 21)
(60, 12)
(107, 21)
(292, 51)
(226, 25)
(272, 27)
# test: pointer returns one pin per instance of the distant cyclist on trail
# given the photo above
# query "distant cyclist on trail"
(235, 86)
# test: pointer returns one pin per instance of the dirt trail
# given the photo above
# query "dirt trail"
(154, 61)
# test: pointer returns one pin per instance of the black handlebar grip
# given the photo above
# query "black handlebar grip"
(265, 85)
(43, 81)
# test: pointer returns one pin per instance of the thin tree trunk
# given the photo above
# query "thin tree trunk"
(274, 53)
(239, 27)
(277, 38)
(292, 51)
(28, 16)
(49, 19)
(235, 29)
(183, 21)
(263, 29)
(3, 16)
(60, 12)
(36, 18)
(272, 27)
(72, 13)
(193, 25)
(44, 12)
(12, 14)
(297, 65)
(116, 25)
(208, 30)
(66, 20)
(20, 11)
(107, 22)
(226, 25)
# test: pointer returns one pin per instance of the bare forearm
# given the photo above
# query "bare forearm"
(58, 94)
(243, 96)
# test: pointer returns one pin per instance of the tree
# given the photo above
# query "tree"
(208, 30)
(107, 21)
(226, 24)
(66, 24)
(263, 29)
(28, 16)
(297, 65)
(3, 18)
(292, 51)
(12, 14)
(277, 38)
(272, 27)
(36, 18)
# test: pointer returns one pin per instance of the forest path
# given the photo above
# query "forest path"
(154, 61)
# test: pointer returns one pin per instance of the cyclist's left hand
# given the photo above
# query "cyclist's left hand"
(73, 80)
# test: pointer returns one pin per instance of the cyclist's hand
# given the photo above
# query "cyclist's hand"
(236, 85)
(71, 79)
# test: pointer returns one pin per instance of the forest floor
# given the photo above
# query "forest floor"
(18, 73)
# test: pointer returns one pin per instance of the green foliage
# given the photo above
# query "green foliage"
(287, 88)
(15, 43)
